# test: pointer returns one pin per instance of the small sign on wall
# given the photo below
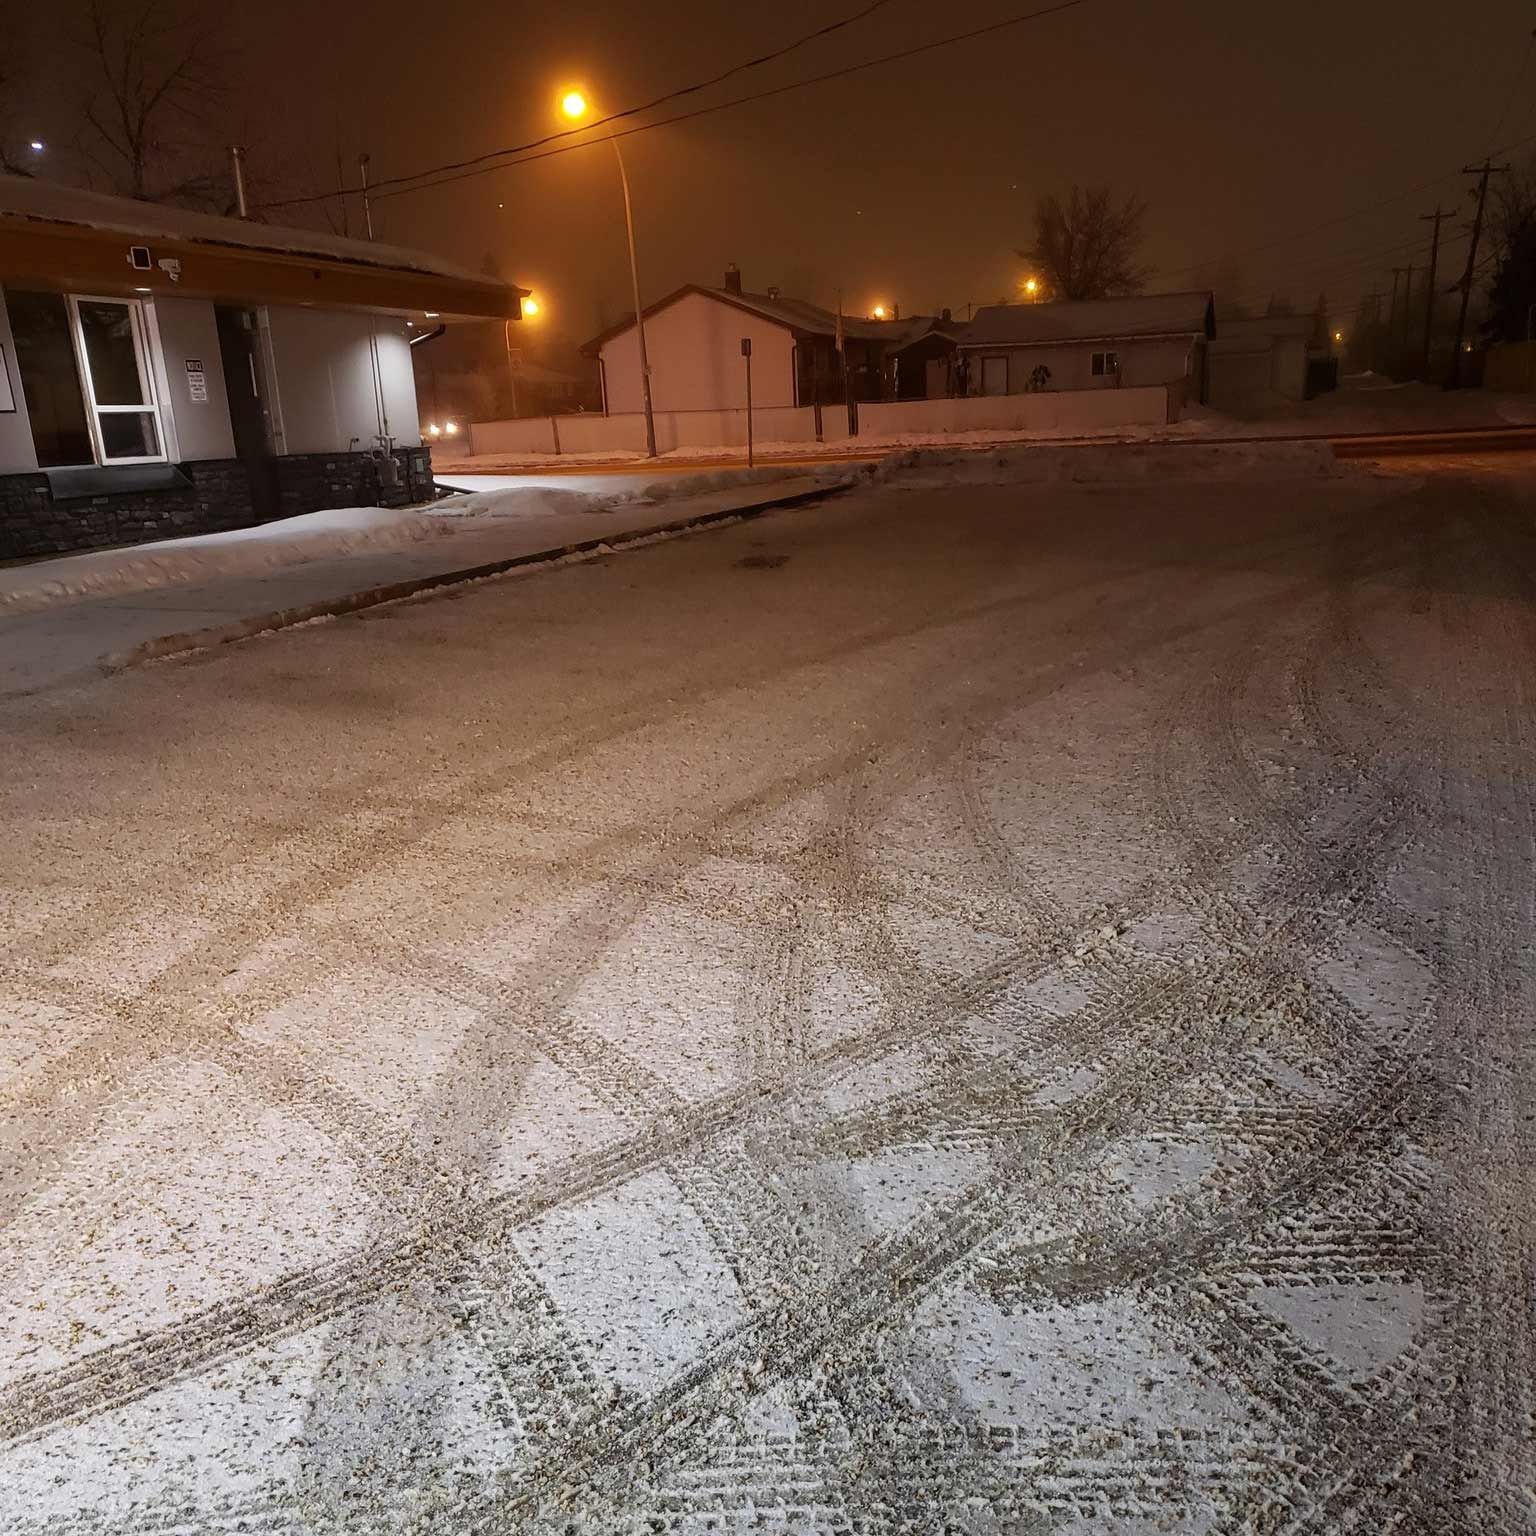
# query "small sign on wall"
(7, 399)
(197, 381)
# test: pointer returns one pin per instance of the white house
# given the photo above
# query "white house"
(163, 371)
(693, 340)
(1155, 338)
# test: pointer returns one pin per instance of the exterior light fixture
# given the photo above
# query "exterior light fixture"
(574, 105)
(433, 430)
(878, 312)
(452, 429)
(530, 308)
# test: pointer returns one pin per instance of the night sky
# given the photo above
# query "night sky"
(1241, 125)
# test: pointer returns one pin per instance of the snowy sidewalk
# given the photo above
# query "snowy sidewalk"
(63, 618)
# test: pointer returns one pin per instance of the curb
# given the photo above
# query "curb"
(352, 602)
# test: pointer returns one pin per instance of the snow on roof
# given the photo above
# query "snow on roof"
(798, 315)
(25, 197)
(1150, 314)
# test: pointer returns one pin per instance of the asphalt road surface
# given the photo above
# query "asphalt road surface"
(963, 1008)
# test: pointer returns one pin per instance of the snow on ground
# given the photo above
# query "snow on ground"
(993, 1006)
(341, 531)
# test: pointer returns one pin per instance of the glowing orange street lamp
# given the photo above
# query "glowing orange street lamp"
(530, 308)
(879, 312)
(574, 106)
(1031, 286)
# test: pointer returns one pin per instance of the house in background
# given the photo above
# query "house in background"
(1267, 360)
(1155, 338)
(166, 372)
(693, 340)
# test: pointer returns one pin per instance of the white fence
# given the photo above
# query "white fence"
(1064, 412)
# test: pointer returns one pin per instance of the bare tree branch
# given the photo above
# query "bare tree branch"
(1087, 247)
(150, 72)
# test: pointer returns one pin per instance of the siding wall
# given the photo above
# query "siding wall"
(187, 329)
(696, 361)
(325, 385)
(1142, 363)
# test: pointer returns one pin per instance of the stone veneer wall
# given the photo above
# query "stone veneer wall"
(310, 482)
(219, 498)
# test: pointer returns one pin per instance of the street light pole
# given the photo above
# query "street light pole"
(634, 278)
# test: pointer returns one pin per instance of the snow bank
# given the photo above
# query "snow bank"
(260, 551)
(1091, 463)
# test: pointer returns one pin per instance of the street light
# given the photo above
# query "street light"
(575, 106)
(530, 308)
(878, 312)
(1031, 286)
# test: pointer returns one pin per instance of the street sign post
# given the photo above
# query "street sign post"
(746, 352)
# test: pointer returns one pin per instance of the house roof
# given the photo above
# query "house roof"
(88, 229)
(1150, 314)
(797, 315)
(1269, 325)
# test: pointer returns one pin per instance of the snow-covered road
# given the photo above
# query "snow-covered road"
(988, 1008)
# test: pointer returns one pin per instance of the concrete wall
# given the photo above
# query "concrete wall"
(16, 451)
(583, 433)
(198, 429)
(1142, 363)
(325, 383)
(1066, 412)
(696, 362)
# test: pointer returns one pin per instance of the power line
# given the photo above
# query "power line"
(1344, 218)
(437, 177)
(658, 101)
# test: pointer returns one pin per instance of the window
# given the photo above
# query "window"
(86, 375)
(45, 356)
(1105, 364)
(116, 378)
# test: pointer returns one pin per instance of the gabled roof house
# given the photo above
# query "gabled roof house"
(693, 340)
(1155, 338)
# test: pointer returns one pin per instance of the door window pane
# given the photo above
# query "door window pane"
(45, 355)
(129, 435)
(111, 349)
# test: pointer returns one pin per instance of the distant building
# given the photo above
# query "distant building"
(166, 372)
(1260, 361)
(1155, 338)
(693, 340)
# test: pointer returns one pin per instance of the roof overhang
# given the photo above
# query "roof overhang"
(1077, 341)
(79, 258)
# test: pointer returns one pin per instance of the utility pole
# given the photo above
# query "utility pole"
(1429, 294)
(1370, 314)
(1397, 273)
(1482, 172)
(1407, 300)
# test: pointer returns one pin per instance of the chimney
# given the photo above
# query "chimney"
(733, 278)
(945, 316)
(773, 292)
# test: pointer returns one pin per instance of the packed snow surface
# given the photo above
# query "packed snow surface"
(999, 1003)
